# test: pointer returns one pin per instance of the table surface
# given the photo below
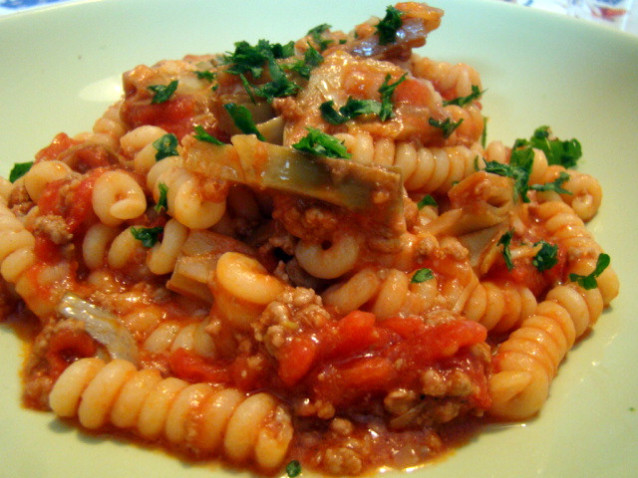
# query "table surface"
(628, 23)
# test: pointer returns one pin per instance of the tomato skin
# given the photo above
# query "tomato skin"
(60, 143)
(193, 368)
(296, 357)
(75, 207)
(67, 345)
(175, 116)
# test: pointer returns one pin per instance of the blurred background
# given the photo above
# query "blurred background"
(619, 14)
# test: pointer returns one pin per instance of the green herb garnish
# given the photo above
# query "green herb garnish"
(546, 257)
(206, 75)
(163, 93)
(202, 135)
(564, 153)
(350, 110)
(422, 275)
(388, 26)
(316, 34)
(19, 170)
(293, 469)
(464, 100)
(311, 59)
(426, 200)
(148, 236)
(505, 241)
(166, 146)
(243, 119)
(589, 281)
(556, 185)
(387, 90)
(251, 59)
(162, 201)
(446, 126)
(322, 144)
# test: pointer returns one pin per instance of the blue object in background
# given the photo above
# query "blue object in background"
(18, 4)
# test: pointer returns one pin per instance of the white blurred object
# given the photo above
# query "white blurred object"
(611, 12)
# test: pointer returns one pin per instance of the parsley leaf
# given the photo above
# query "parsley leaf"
(316, 34)
(202, 135)
(387, 28)
(162, 201)
(350, 110)
(280, 85)
(464, 100)
(19, 170)
(321, 144)
(148, 236)
(447, 127)
(556, 185)
(293, 469)
(251, 59)
(162, 93)
(312, 58)
(426, 200)
(546, 257)
(422, 275)
(206, 75)
(387, 90)
(243, 119)
(166, 146)
(564, 153)
(589, 282)
(505, 241)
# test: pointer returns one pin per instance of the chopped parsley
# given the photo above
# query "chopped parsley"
(163, 93)
(422, 275)
(19, 170)
(546, 257)
(148, 236)
(293, 469)
(162, 201)
(166, 146)
(505, 241)
(243, 119)
(280, 85)
(311, 59)
(251, 59)
(446, 126)
(564, 153)
(354, 108)
(589, 281)
(206, 75)
(321, 144)
(387, 90)
(464, 100)
(350, 110)
(316, 34)
(202, 135)
(556, 185)
(426, 200)
(388, 26)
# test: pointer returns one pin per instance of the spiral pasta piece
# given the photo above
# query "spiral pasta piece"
(205, 420)
(526, 363)
(452, 80)
(172, 335)
(184, 196)
(385, 292)
(117, 197)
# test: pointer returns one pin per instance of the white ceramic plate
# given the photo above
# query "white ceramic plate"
(60, 68)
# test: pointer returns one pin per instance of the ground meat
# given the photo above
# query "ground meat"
(305, 218)
(294, 308)
(54, 227)
(19, 200)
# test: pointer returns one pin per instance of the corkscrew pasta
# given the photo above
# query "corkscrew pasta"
(302, 253)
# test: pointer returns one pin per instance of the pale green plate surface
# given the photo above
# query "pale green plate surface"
(60, 68)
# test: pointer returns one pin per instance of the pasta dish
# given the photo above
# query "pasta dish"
(301, 256)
